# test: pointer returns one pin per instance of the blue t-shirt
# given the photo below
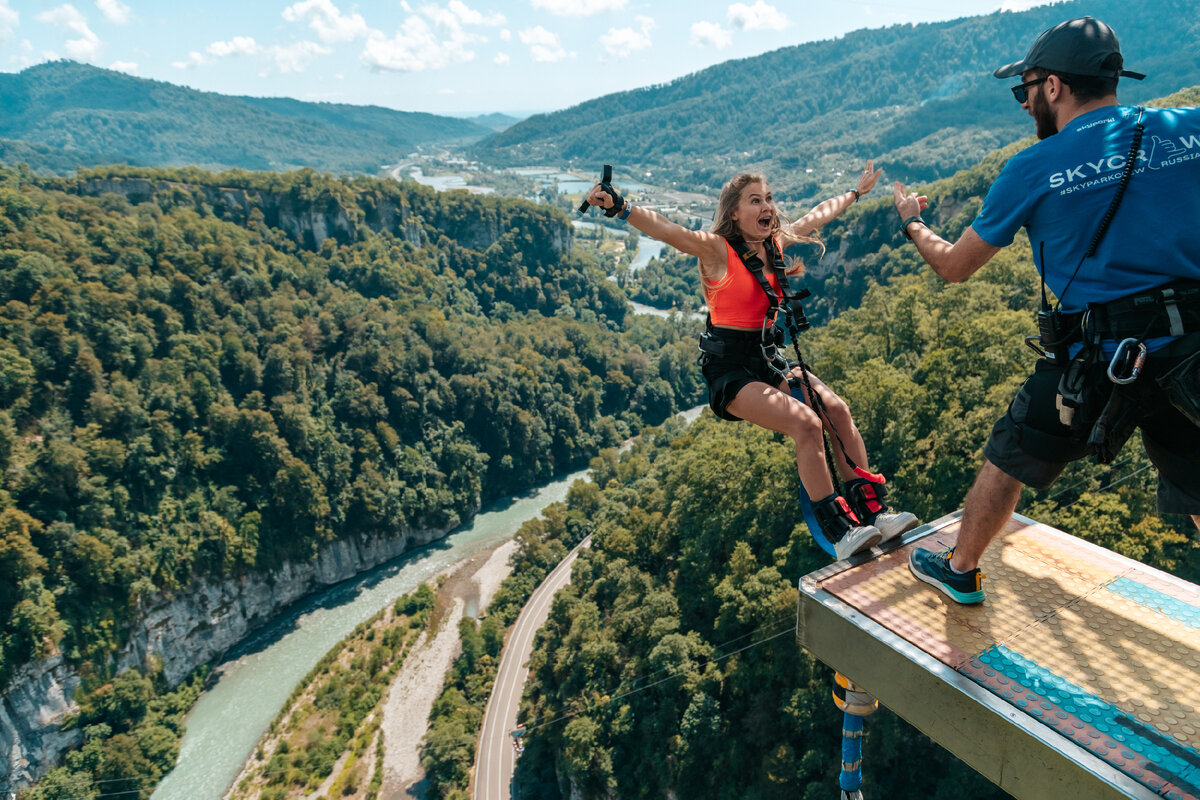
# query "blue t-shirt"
(1060, 188)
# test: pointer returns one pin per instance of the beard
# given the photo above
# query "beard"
(1043, 117)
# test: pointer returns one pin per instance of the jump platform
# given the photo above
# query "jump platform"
(1079, 676)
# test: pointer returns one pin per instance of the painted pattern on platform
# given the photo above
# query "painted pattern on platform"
(1102, 649)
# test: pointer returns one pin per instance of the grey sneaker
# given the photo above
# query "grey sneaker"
(892, 525)
(856, 540)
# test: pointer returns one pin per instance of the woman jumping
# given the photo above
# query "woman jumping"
(741, 364)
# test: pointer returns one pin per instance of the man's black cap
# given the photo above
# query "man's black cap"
(1079, 47)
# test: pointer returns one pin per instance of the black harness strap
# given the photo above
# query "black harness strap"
(755, 266)
(796, 322)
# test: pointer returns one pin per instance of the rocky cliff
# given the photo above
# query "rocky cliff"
(308, 220)
(311, 215)
(183, 630)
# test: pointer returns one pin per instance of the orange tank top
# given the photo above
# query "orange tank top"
(737, 300)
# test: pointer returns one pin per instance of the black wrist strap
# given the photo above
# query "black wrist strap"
(606, 185)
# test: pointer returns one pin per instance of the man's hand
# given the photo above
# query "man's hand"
(908, 204)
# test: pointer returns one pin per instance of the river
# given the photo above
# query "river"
(229, 719)
(647, 250)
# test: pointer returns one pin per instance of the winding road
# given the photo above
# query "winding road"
(495, 758)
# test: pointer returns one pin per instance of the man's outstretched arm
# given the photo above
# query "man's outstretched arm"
(954, 262)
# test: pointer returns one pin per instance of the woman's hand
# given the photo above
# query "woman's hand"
(908, 204)
(600, 198)
(867, 178)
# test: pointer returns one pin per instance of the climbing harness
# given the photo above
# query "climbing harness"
(1057, 330)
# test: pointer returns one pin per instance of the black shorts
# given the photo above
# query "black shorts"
(726, 375)
(1031, 444)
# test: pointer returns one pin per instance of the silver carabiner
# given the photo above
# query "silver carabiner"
(1120, 358)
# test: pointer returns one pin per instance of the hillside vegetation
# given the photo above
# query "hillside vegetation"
(920, 99)
(61, 115)
(669, 665)
(183, 395)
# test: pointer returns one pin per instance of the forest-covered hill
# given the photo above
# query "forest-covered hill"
(186, 394)
(60, 115)
(920, 99)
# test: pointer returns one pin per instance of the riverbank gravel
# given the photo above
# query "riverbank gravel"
(420, 680)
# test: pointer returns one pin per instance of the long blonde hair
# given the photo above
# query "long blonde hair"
(731, 196)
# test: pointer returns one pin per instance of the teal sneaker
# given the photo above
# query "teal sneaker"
(934, 569)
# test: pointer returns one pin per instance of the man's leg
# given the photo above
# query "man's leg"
(989, 505)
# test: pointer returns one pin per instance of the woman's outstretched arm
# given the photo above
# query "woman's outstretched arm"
(708, 247)
(829, 210)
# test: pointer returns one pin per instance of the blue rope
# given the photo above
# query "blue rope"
(851, 779)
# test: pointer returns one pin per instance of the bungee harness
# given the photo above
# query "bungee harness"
(789, 302)
(854, 703)
(1172, 310)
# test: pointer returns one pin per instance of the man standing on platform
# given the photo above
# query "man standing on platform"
(1110, 198)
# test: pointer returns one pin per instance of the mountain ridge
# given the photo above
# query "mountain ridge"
(826, 106)
(62, 115)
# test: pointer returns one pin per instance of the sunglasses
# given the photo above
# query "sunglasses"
(1020, 92)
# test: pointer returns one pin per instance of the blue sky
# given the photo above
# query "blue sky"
(440, 56)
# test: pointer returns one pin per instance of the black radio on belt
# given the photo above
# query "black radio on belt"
(1056, 331)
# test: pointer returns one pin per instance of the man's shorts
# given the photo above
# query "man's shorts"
(1031, 444)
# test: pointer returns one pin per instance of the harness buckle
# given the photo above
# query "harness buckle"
(1121, 361)
(769, 343)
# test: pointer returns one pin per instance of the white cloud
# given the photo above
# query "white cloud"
(543, 45)
(623, 41)
(193, 60)
(416, 47)
(9, 20)
(66, 16)
(296, 57)
(237, 46)
(432, 39)
(758, 17)
(578, 8)
(328, 21)
(469, 16)
(114, 11)
(501, 58)
(506, 35)
(705, 34)
(23, 59)
(128, 67)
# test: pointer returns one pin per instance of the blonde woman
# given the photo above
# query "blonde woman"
(748, 235)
